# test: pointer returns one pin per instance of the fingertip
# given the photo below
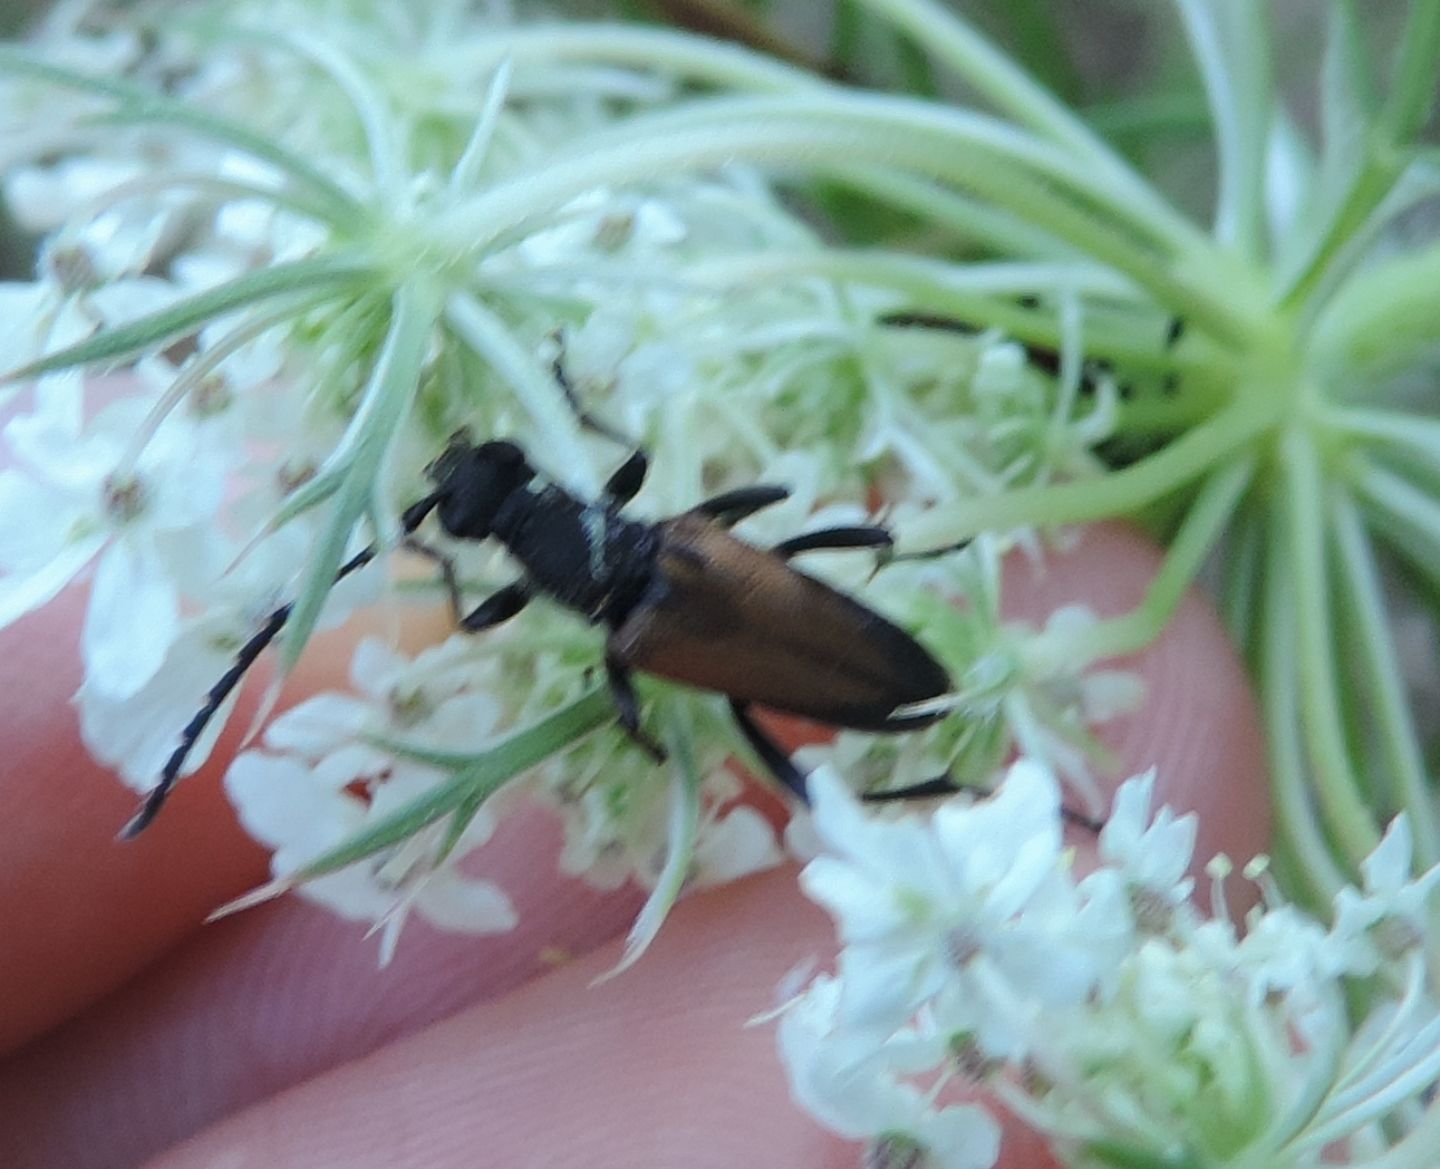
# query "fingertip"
(655, 1068)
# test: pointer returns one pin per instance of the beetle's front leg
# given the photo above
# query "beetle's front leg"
(446, 564)
(499, 606)
(622, 691)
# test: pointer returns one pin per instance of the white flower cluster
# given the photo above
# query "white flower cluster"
(255, 209)
(1104, 1010)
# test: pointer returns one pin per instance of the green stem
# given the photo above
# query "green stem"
(840, 134)
(361, 452)
(479, 778)
(1243, 565)
(1289, 781)
(1414, 434)
(182, 317)
(1383, 683)
(1118, 493)
(981, 295)
(1407, 108)
(878, 116)
(1204, 522)
(1346, 813)
(1234, 64)
(1412, 93)
(732, 68)
(1002, 82)
(1409, 516)
(652, 49)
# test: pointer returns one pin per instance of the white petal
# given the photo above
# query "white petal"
(22, 593)
(133, 617)
(137, 734)
(319, 725)
(461, 905)
(281, 806)
(740, 843)
(1387, 868)
(36, 523)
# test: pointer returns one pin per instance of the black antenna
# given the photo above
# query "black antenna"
(155, 798)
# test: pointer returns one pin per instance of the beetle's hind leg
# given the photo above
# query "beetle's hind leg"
(836, 539)
(622, 691)
(946, 785)
(775, 758)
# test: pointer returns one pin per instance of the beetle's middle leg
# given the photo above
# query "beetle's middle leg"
(622, 691)
(730, 507)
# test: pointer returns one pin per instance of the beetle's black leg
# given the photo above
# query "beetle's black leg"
(861, 536)
(892, 557)
(945, 785)
(628, 707)
(414, 515)
(918, 320)
(587, 420)
(448, 576)
(730, 507)
(499, 606)
(780, 765)
(627, 479)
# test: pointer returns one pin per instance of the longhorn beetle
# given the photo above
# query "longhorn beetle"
(682, 599)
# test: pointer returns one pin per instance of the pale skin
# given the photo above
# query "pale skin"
(137, 1035)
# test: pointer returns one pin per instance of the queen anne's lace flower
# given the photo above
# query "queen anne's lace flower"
(326, 776)
(1162, 1037)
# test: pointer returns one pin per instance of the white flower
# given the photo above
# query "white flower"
(1394, 911)
(326, 782)
(152, 527)
(921, 902)
(1149, 855)
(857, 1089)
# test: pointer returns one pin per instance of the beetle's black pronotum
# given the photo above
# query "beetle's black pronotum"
(682, 599)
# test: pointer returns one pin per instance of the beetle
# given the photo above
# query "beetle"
(681, 598)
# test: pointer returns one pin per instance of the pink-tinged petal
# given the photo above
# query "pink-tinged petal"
(280, 805)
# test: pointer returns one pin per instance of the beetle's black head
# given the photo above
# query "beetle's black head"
(473, 480)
